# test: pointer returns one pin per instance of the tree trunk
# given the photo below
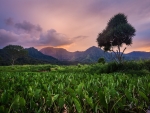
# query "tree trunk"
(119, 55)
(13, 61)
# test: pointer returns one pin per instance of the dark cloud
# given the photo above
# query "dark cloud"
(9, 21)
(50, 38)
(28, 27)
(53, 38)
(80, 37)
(7, 37)
(32, 35)
(24, 39)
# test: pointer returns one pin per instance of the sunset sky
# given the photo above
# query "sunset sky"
(70, 24)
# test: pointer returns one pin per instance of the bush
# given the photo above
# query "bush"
(79, 65)
(101, 60)
(114, 67)
(147, 64)
(137, 72)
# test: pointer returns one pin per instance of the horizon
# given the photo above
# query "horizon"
(72, 25)
(83, 50)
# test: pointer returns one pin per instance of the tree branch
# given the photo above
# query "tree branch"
(123, 51)
(115, 54)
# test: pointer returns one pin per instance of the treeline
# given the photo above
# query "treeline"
(5, 59)
(17, 55)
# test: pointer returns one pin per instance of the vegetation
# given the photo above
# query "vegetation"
(95, 88)
(122, 87)
(15, 52)
(117, 33)
(33, 57)
(101, 60)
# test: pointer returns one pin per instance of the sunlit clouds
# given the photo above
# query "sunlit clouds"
(73, 25)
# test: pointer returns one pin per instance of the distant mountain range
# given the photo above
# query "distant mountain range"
(34, 57)
(91, 55)
(139, 54)
(34, 53)
(62, 56)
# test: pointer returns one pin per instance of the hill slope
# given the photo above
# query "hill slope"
(34, 57)
(91, 55)
(34, 53)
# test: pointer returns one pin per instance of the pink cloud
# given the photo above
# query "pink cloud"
(53, 38)
(28, 27)
(7, 37)
(72, 18)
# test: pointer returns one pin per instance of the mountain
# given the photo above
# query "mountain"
(136, 55)
(63, 57)
(34, 57)
(58, 53)
(34, 53)
(91, 55)
(139, 54)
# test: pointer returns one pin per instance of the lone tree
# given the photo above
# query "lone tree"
(117, 33)
(15, 52)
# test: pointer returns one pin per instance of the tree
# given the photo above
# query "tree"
(117, 33)
(101, 60)
(15, 52)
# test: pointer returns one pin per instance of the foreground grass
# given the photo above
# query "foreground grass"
(81, 88)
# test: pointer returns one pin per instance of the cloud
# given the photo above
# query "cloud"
(28, 27)
(24, 28)
(53, 38)
(28, 34)
(24, 39)
(9, 21)
(72, 18)
(49, 38)
(7, 37)
(80, 37)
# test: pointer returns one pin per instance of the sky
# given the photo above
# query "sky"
(70, 24)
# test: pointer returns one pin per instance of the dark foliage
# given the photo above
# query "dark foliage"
(15, 52)
(101, 60)
(117, 33)
(33, 57)
(128, 67)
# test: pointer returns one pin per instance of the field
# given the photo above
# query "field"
(95, 88)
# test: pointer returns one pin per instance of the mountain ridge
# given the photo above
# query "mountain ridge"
(63, 57)
(90, 55)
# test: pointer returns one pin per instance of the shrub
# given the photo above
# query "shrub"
(79, 65)
(147, 64)
(101, 60)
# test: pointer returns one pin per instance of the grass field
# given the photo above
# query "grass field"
(95, 88)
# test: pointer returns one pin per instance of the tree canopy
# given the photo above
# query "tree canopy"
(15, 52)
(117, 33)
(101, 60)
